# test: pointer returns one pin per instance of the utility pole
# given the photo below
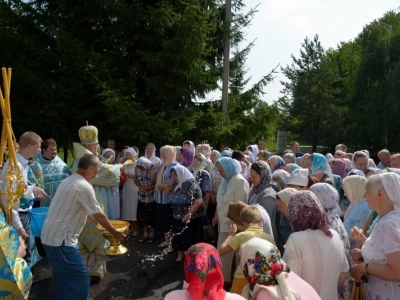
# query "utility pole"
(227, 49)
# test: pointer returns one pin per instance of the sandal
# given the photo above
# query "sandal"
(143, 239)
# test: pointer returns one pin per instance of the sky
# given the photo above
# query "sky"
(280, 26)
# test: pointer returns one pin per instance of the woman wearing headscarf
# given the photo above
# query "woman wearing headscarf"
(263, 155)
(329, 199)
(108, 157)
(281, 177)
(146, 204)
(205, 149)
(284, 229)
(381, 251)
(150, 154)
(130, 192)
(358, 211)
(263, 193)
(313, 251)
(252, 151)
(276, 162)
(163, 201)
(187, 205)
(214, 156)
(233, 188)
(268, 276)
(290, 167)
(203, 276)
(338, 167)
(202, 177)
(189, 144)
(186, 157)
(320, 169)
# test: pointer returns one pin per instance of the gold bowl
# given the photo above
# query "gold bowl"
(115, 246)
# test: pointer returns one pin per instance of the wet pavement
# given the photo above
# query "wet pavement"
(144, 272)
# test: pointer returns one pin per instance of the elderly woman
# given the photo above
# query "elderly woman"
(202, 177)
(186, 157)
(329, 199)
(284, 229)
(320, 168)
(150, 154)
(289, 158)
(187, 204)
(130, 192)
(203, 276)
(163, 201)
(262, 192)
(360, 161)
(313, 251)
(281, 177)
(357, 212)
(381, 251)
(233, 188)
(276, 162)
(268, 276)
(290, 167)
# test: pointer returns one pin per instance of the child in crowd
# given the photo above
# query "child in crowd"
(251, 219)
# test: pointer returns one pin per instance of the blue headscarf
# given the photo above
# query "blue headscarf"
(320, 165)
(294, 167)
(225, 153)
(355, 172)
(231, 168)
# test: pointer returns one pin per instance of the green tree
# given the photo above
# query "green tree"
(311, 102)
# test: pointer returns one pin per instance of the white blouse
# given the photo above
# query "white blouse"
(384, 239)
(237, 190)
(317, 259)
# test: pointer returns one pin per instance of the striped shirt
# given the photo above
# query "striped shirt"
(160, 197)
(73, 202)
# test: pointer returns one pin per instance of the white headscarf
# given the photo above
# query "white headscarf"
(131, 151)
(191, 146)
(254, 152)
(154, 159)
(354, 187)
(105, 151)
(183, 175)
(391, 183)
(263, 251)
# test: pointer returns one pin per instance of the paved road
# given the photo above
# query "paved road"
(142, 273)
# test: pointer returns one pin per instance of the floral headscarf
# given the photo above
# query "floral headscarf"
(203, 272)
(264, 269)
(279, 162)
(204, 149)
(231, 168)
(306, 212)
(188, 156)
(328, 196)
(339, 167)
(146, 164)
(354, 187)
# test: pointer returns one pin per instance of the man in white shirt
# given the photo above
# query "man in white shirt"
(73, 202)
(29, 146)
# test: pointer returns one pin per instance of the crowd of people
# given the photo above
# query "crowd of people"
(244, 224)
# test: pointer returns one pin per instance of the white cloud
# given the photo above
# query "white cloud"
(280, 27)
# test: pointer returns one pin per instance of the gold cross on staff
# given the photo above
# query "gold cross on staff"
(15, 185)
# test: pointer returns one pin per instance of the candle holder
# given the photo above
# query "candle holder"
(115, 246)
